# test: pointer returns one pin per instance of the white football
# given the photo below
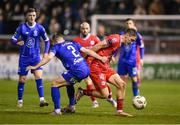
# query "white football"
(139, 102)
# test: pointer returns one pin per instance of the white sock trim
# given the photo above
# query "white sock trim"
(41, 98)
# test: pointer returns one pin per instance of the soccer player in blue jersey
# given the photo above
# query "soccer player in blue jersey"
(128, 64)
(30, 33)
(77, 68)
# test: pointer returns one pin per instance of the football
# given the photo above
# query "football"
(139, 102)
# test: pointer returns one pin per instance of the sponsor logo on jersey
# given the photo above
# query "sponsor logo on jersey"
(78, 60)
(103, 83)
(30, 42)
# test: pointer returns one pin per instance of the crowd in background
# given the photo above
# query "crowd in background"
(66, 15)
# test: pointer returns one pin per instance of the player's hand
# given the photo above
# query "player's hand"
(104, 59)
(30, 68)
(113, 60)
(20, 43)
(104, 44)
(45, 55)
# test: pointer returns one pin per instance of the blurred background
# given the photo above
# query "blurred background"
(158, 21)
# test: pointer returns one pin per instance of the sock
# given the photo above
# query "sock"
(90, 87)
(40, 88)
(55, 94)
(135, 88)
(120, 105)
(70, 92)
(20, 90)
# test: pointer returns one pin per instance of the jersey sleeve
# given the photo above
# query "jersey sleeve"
(46, 39)
(16, 35)
(96, 39)
(78, 46)
(140, 43)
(43, 34)
(53, 49)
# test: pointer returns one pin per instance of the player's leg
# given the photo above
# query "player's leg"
(71, 107)
(133, 74)
(120, 85)
(101, 90)
(39, 81)
(110, 72)
(101, 93)
(55, 94)
(40, 87)
(21, 83)
(139, 74)
(23, 63)
(90, 86)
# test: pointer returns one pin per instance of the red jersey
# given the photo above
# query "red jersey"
(88, 43)
(114, 42)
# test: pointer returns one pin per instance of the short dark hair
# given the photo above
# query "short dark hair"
(131, 31)
(55, 36)
(30, 10)
(128, 19)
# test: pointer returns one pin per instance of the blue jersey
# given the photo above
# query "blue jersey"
(69, 53)
(31, 36)
(128, 52)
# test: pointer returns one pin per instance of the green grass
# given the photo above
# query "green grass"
(163, 106)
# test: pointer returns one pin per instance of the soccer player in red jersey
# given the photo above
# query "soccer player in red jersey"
(88, 40)
(101, 73)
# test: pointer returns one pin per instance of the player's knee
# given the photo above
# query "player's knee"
(22, 79)
(120, 86)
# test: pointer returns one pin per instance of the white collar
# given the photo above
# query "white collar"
(32, 25)
(85, 37)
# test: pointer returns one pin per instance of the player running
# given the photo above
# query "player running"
(101, 73)
(30, 33)
(131, 59)
(77, 69)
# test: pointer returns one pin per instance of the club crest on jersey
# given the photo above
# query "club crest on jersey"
(92, 42)
(30, 42)
(127, 48)
(114, 40)
(35, 33)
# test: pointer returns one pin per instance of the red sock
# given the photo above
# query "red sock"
(120, 104)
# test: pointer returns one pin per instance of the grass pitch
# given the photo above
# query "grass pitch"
(163, 107)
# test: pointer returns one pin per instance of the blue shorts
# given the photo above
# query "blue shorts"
(125, 68)
(24, 62)
(76, 75)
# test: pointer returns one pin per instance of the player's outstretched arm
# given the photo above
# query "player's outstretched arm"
(100, 45)
(44, 61)
(94, 54)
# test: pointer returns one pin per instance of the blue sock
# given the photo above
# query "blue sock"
(20, 90)
(70, 92)
(55, 94)
(40, 88)
(135, 88)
